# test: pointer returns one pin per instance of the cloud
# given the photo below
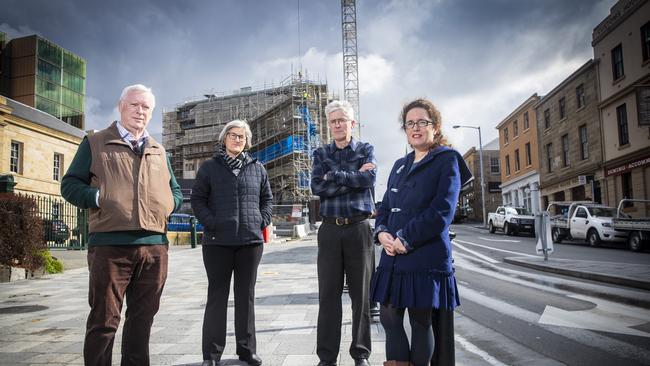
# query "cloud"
(20, 31)
(99, 116)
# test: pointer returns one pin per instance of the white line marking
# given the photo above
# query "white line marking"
(492, 248)
(585, 337)
(484, 257)
(470, 347)
(501, 240)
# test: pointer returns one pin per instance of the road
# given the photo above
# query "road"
(512, 315)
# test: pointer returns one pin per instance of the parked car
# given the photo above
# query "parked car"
(637, 226)
(512, 220)
(55, 230)
(587, 221)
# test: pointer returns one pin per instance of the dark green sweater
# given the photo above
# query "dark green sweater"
(76, 189)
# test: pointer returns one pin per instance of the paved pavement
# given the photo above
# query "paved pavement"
(42, 321)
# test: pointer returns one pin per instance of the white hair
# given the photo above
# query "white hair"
(140, 89)
(340, 105)
(234, 124)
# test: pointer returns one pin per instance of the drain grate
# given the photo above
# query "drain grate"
(22, 309)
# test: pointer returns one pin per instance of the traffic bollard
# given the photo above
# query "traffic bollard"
(193, 232)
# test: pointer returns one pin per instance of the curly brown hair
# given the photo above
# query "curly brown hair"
(439, 139)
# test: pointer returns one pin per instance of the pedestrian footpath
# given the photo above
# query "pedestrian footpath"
(43, 321)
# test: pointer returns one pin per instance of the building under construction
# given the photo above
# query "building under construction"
(288, 122)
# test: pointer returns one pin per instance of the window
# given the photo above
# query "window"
(547, 118)
(582, 213)
(16, 157)
(549, 157)
(562, 105)
(495, 167)
(645, 41)
(515, 129)
(526, 121)
(565, 150)
(617, 62)
(626, 184)
(621, 117)
(517, 166)
(584, 143)
(56, 168)
(529, 159)
(507, 164)
(580, 96)
(505, 136)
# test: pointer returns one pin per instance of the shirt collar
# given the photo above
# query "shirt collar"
(128, 136)
(353, 145)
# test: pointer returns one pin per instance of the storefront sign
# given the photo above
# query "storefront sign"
(569, 183)
(624, 168)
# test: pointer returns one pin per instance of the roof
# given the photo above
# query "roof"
(582, 69)
(532, 100)
(44, 119)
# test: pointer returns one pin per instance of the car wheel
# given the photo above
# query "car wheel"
(491, 227)
(555, 234)
(506, 229)
(634, 241)
(592, 238)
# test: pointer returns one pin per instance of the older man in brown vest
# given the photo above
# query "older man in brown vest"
(123, 176)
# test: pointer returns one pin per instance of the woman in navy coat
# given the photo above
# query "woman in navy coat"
(412, 225)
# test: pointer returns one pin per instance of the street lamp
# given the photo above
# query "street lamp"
(480, 158)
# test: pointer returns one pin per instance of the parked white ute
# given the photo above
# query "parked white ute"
(512, 220)
(590, 222)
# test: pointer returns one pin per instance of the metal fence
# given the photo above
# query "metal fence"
(64, 225)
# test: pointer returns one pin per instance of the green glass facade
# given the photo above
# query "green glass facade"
(60, 82)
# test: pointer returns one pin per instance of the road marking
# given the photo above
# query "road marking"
(583, 336)
(470, 347)
(606, 316)
(484, 257)
(492, 248)
(501, 240)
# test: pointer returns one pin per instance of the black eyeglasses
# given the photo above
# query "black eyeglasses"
(422, 123)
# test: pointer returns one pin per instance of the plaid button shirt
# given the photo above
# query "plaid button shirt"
(344, 191)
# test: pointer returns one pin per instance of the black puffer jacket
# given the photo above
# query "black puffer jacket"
(233, 209)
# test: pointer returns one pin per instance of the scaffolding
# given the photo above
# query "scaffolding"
(287, 122)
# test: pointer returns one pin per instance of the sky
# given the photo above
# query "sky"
(477, 60)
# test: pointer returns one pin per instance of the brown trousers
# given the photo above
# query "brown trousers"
(137, 272)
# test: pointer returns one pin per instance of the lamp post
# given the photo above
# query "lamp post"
(480, 158)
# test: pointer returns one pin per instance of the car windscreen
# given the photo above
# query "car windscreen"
(602, 211)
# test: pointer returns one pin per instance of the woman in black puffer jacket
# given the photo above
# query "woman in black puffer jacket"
(232, 199)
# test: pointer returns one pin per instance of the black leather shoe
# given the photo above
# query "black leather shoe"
(208, 363)
(327, 363)
(361, 362)
(252, 359)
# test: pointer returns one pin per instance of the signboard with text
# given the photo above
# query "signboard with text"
(624, 168)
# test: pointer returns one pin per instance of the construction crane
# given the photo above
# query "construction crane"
(350, 59)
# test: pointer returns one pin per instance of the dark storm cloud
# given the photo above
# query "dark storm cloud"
(477, 59)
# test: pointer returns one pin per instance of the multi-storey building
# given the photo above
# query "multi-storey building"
(35, 147)
(41, 74)
(287, 122)
(519, 159)
(568, 125)
(470, 196)
(621, 44)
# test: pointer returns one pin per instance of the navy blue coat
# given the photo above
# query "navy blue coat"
(420, 205)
